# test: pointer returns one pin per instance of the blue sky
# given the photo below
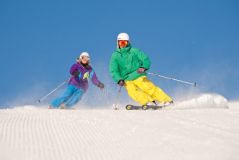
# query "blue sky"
(189, 39)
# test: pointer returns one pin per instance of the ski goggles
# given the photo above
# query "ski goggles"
(123, 43)
(85, 58)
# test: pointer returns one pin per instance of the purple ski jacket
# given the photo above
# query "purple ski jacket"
(80, 75)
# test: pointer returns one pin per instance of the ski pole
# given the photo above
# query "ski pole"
(44, 97)
(116, 106)
(174, 79)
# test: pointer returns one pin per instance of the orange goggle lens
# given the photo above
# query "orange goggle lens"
(123, 43)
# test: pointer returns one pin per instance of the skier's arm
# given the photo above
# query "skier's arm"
(94, 78)
(144, 59)
(74, 70)
(114, 69)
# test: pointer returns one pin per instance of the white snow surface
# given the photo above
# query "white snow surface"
(202, 128)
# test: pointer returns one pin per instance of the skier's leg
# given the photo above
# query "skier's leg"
(152, 90)
(64, 97)
(75, 98)
(137, 94)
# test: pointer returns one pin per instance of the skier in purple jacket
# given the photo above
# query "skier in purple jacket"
(80, 72)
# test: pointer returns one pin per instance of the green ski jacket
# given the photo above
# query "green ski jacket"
(125, 62)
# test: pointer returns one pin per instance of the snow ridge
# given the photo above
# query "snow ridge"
(203, 101)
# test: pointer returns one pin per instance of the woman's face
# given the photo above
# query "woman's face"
(85, 59)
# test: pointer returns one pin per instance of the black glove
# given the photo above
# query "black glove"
(101, 85)
(121, 83)
(141, 70)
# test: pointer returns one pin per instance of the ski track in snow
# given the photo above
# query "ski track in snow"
(31, 133)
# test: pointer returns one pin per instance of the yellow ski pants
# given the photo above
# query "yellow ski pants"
(142, 90)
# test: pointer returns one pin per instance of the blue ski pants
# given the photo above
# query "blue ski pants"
(69, 98)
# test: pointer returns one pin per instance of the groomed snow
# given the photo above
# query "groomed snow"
(203, 128)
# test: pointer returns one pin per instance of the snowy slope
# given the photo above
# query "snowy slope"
(208, 130)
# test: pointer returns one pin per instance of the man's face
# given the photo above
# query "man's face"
(123, 43)
(85, 59)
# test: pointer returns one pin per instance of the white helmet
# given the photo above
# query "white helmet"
(123, 36)
(84, 54)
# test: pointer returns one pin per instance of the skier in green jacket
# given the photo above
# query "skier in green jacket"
(128, 68)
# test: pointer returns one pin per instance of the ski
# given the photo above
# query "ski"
(144, 107)
(133, 107)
